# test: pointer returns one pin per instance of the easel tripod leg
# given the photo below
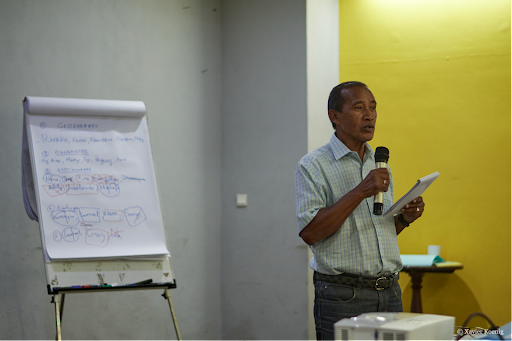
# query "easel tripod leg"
(61, 311)
(58, 306)
(168, 296)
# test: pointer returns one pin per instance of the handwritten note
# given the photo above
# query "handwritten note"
(96, 187)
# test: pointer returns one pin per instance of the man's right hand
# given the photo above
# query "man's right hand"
(329, 219)
(376, 181)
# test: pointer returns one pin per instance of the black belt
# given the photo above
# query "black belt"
(380, 283)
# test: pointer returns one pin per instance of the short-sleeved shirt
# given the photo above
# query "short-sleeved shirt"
(365, 244)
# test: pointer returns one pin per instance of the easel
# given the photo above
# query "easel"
(64, 276)
(71, 215)
(59, 297)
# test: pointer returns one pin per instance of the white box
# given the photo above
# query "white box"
(395, 326)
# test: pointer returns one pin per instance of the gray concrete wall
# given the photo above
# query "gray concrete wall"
(167, 54)
(224, 82)
(264, 262)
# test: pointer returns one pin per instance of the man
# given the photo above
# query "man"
(356, 256)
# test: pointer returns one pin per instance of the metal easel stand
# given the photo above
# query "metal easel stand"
(59, 308)
(167, 296)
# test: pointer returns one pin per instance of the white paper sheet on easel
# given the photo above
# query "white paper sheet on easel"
(416, 190)
(95, 184)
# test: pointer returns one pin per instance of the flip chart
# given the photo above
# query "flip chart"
(93, 179)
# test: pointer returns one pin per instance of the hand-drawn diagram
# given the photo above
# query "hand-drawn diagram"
(95, 186)
(134, 215)
(65, 217)
(95, 237)
(112, 215)
(80, 184)
(78, 222)
(109, 190)
(69, 234)
(99, 237)
(89, 215)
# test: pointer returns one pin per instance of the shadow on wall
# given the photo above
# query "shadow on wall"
(436, 298)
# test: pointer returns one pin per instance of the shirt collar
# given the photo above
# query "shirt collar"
(340, 150)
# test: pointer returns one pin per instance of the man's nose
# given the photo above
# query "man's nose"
(369, 114)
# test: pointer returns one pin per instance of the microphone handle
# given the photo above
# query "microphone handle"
(378, 201)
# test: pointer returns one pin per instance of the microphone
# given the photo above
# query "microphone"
(381, 160)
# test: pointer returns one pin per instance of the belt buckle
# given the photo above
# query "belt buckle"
(377, 283)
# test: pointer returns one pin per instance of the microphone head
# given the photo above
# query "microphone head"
(381, 154)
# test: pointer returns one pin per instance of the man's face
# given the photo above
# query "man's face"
(355, 124)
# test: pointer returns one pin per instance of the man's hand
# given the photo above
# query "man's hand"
(413, 210)
(376, 181)
(329, 219)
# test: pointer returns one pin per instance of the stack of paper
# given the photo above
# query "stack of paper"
(426, 260)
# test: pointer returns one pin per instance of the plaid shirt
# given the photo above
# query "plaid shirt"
(365, 244)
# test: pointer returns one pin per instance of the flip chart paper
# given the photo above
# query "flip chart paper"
(95, 182)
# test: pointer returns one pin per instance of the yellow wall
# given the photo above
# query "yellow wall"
(440, 71)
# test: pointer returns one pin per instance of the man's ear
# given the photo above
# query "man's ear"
(334, 116)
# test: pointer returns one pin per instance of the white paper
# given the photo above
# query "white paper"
(416, 190)
(27, 183)
(420, 260)
(84, 107)
(95, 184)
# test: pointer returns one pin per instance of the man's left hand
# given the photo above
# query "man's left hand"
(413, 210)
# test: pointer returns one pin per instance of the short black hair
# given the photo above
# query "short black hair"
(336, 99)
